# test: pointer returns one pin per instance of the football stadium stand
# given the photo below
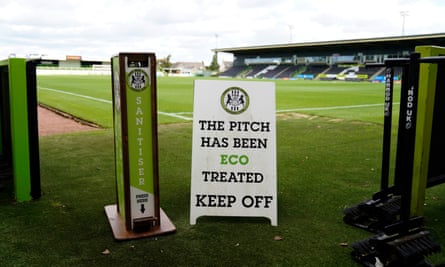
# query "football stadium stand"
(352, 60)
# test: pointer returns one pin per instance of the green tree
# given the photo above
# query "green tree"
(214, 66)
(164, 62)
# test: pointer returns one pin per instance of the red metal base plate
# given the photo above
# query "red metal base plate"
(121, 233)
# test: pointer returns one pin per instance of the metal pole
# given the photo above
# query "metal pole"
(291, 28)
(403, 14)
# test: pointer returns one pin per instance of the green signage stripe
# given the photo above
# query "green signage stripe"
(140, 145)
(19, 128)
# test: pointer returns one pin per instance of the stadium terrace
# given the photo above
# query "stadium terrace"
(350, 60)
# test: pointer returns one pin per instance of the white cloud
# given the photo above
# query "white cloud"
(188, 30)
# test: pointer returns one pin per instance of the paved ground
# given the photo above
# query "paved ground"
(52, 123)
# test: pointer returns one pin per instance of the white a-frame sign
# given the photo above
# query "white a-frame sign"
(234, 150)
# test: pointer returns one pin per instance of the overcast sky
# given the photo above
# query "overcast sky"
(188, 29)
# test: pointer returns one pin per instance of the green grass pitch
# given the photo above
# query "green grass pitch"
(326, 161)
(89, 97)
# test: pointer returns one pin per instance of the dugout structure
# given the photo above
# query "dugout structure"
(420, 144)
(396, 212)
(19, 141)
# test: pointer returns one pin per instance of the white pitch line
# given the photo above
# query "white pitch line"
(332, 107)
(178, 116)
(78, 95)
(175, 115)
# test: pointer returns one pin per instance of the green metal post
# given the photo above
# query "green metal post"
(19, 128)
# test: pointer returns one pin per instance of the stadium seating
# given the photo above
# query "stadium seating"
(304, 71)
(370, 70)
(289, 72)
(336, 69)
(234, 71)
(315, 69)
(273, 72)
(255, 70)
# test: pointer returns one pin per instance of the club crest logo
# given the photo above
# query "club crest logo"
(138, 80)
(235, 100)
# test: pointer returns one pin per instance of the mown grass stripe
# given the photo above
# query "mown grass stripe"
(175, 115)
(179, 115)
(77, 95)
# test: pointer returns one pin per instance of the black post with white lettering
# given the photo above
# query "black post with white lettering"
(137, 212)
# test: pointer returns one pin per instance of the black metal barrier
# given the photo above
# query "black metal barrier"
(33, 128)
(402, 239)
(5, 132)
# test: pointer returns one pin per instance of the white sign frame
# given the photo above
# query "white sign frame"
(234, 169)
